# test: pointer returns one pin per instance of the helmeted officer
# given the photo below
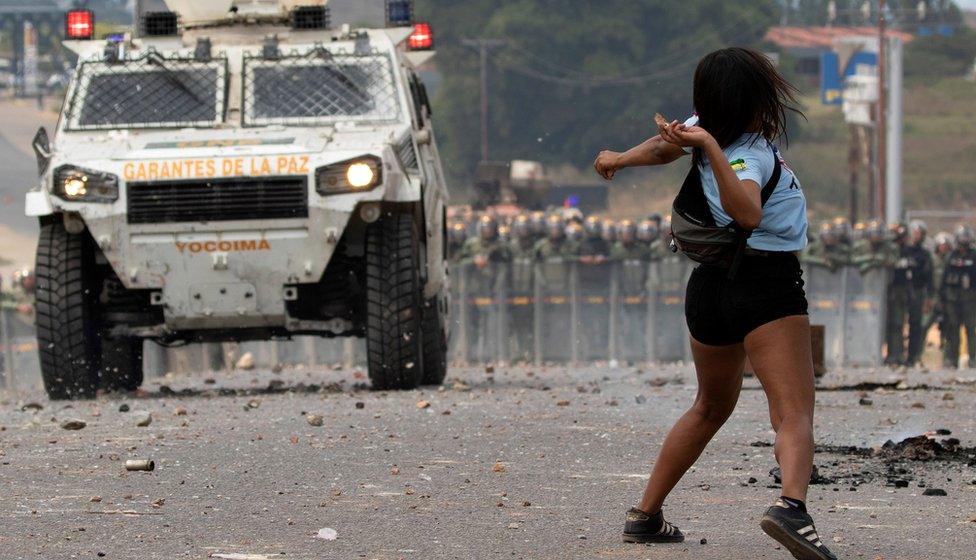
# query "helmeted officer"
(958, 294)
(911, 280)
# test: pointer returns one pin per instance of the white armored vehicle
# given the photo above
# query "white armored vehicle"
(240, 170)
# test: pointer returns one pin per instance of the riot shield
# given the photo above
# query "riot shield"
(520, 298)
(825, 290)
(458, 286)
(593, 314)
(631, 311)
(482, 313)
(864, 323)
(667, 331)
(555, 285)
(19, 365)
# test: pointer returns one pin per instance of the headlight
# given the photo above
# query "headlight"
(356, 175)
(75, 184)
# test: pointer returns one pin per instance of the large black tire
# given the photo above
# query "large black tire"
(394, 344)
(67, 325)
(121, 365)
(435, 344)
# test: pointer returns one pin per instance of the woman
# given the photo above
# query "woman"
(760, 311)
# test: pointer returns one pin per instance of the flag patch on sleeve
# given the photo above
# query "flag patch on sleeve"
(738, 165)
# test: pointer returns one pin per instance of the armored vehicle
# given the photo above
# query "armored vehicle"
(241, 170)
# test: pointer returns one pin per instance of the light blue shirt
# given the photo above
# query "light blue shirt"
(784, 221)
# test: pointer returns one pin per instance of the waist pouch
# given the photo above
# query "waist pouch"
(695, 232)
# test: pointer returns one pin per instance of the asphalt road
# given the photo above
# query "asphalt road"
(517, 463)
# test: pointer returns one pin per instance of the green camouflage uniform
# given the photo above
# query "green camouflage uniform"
(482, 280)
(832, 257)
(522, 294)
(866, 255)
(555, 258)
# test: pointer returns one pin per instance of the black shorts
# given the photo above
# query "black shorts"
(721, 312)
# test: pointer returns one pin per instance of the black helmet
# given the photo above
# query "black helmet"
(522, 226)
(648, 230)
(487, 227)
(555, 227)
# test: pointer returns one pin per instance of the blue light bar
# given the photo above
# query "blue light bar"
(399, 13)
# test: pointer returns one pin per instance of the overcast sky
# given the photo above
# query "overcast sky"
(967, 4)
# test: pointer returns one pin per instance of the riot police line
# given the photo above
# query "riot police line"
(563, 311)
(557, 287)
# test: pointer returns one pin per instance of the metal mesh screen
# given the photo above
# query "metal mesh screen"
(149, 92)
(320, 87)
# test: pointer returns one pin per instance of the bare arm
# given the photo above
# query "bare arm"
(653, 151)
(740, 199)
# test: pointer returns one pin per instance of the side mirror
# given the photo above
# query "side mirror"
(42, 149)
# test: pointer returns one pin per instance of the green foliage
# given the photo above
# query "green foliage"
(574, 77)
(938, 57)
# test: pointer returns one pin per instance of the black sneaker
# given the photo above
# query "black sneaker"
(644, 528)
(793, 528)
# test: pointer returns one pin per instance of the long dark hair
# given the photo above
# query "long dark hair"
(737, 90)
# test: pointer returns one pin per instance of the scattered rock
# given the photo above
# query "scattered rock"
(315, 420)
(935, 492)
(640, 399)
(395, 470)
(123, 407)
(423, 404)
(498, 467)
(246, 362)
(458, 386)
(32, 406)
(179, 411)
(158, 503)
(142, 418)
(703, 541)
(73, 424)
(253, 403)
(489, 369)
(327, 534)
(526, 503)
(562, 403)
(360, 405)
(513, 525)
(918, 405)
(865, 401)
(95, 499)
(918, 448)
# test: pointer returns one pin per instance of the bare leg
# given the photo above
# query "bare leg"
(780, 352)
(719, 370)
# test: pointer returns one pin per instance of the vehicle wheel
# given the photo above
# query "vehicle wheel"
(121, 365)
(67, 326)
(393, 303)
(435, 344)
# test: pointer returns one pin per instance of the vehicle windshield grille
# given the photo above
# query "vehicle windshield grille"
(321, 87)
(149, 92)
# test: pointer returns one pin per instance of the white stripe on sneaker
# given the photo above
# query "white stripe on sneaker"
(812, 536)
(805, 530)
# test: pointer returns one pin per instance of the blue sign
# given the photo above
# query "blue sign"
(832, 77)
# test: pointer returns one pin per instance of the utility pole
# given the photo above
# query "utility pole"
(483, 46)
(893, 192)
(882, 129)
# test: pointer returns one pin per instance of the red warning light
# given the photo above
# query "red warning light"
(80, 24)
(422, 38)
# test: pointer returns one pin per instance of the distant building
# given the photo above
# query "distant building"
(806, 45)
